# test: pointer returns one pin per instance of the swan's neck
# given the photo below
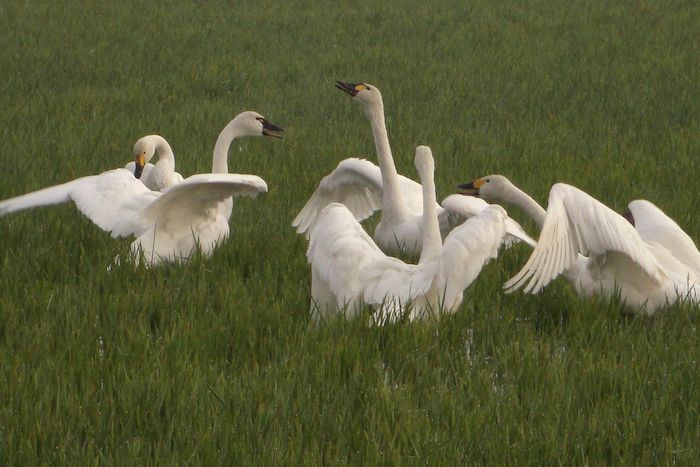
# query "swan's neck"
(221, 148)
(166, 158)
(518, 197)
(432, 241)
(393, 203)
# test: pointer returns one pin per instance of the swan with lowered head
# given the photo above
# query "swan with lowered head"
(365, 188)
(348, 270)
(646, 256)
(160, 175)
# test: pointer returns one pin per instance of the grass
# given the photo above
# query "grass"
(217, 361)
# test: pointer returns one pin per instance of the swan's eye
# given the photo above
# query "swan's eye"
(488, 180)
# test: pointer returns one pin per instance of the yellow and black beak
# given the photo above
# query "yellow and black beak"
(140, 162)
(471, 188)
(270, 129)
(350, 88)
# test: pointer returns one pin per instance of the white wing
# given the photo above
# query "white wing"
(577, 223)
(653, 225)
(113, 200)
(356, 183)
(56, 194)
(459, 208)
(354, 268)
(196, 196)
(468, 248)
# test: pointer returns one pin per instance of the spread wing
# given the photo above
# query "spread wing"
(354, 268)
(458, 208)
(653, 225)
(356, 183)
(113, 200)
(469, 247)
(195, 198)
(56, 194)
(577, 223)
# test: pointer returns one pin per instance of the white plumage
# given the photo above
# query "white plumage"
(172, 224)
(144, 149)
(160, 175)
(650, 263)
(364, 188)
(349, 270)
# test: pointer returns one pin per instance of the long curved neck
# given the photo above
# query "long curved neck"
(166, 158)
(432, 241)
(518, 197)
(221, 148)
(393, 203)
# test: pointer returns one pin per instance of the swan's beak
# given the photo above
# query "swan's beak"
(470, 189)
(350, 88)
(140, 162)
(270, 129)
(628, 215)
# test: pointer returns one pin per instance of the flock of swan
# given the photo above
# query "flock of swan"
(643, 255)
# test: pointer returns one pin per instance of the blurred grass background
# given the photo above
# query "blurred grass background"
(217, 361)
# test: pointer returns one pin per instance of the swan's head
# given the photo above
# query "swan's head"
(367, 95)
(425, 164)
(491, 187)
(251, 123)
(144, 150)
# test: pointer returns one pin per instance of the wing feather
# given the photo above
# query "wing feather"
(196, 197)
(653, 225)
(578, 223)
(354, 268)
(114, 201)
(468, 248)
(356, 183)
(459, 208)
(56, 194)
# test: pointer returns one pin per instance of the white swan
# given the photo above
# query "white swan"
(160, 175)
(169, 225)
(365, 188)
(348, 269)
(650, 261)
(193, 214)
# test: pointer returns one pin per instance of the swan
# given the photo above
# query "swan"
(348, 269)
(644, 256)
(172, 224)
(160, 175)
(365, 188)
(193, 214)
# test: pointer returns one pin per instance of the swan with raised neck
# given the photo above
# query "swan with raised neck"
(248, 123)
(368, 96)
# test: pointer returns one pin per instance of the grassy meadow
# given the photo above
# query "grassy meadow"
(217, 361)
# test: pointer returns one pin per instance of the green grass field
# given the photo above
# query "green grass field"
(217, 361)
